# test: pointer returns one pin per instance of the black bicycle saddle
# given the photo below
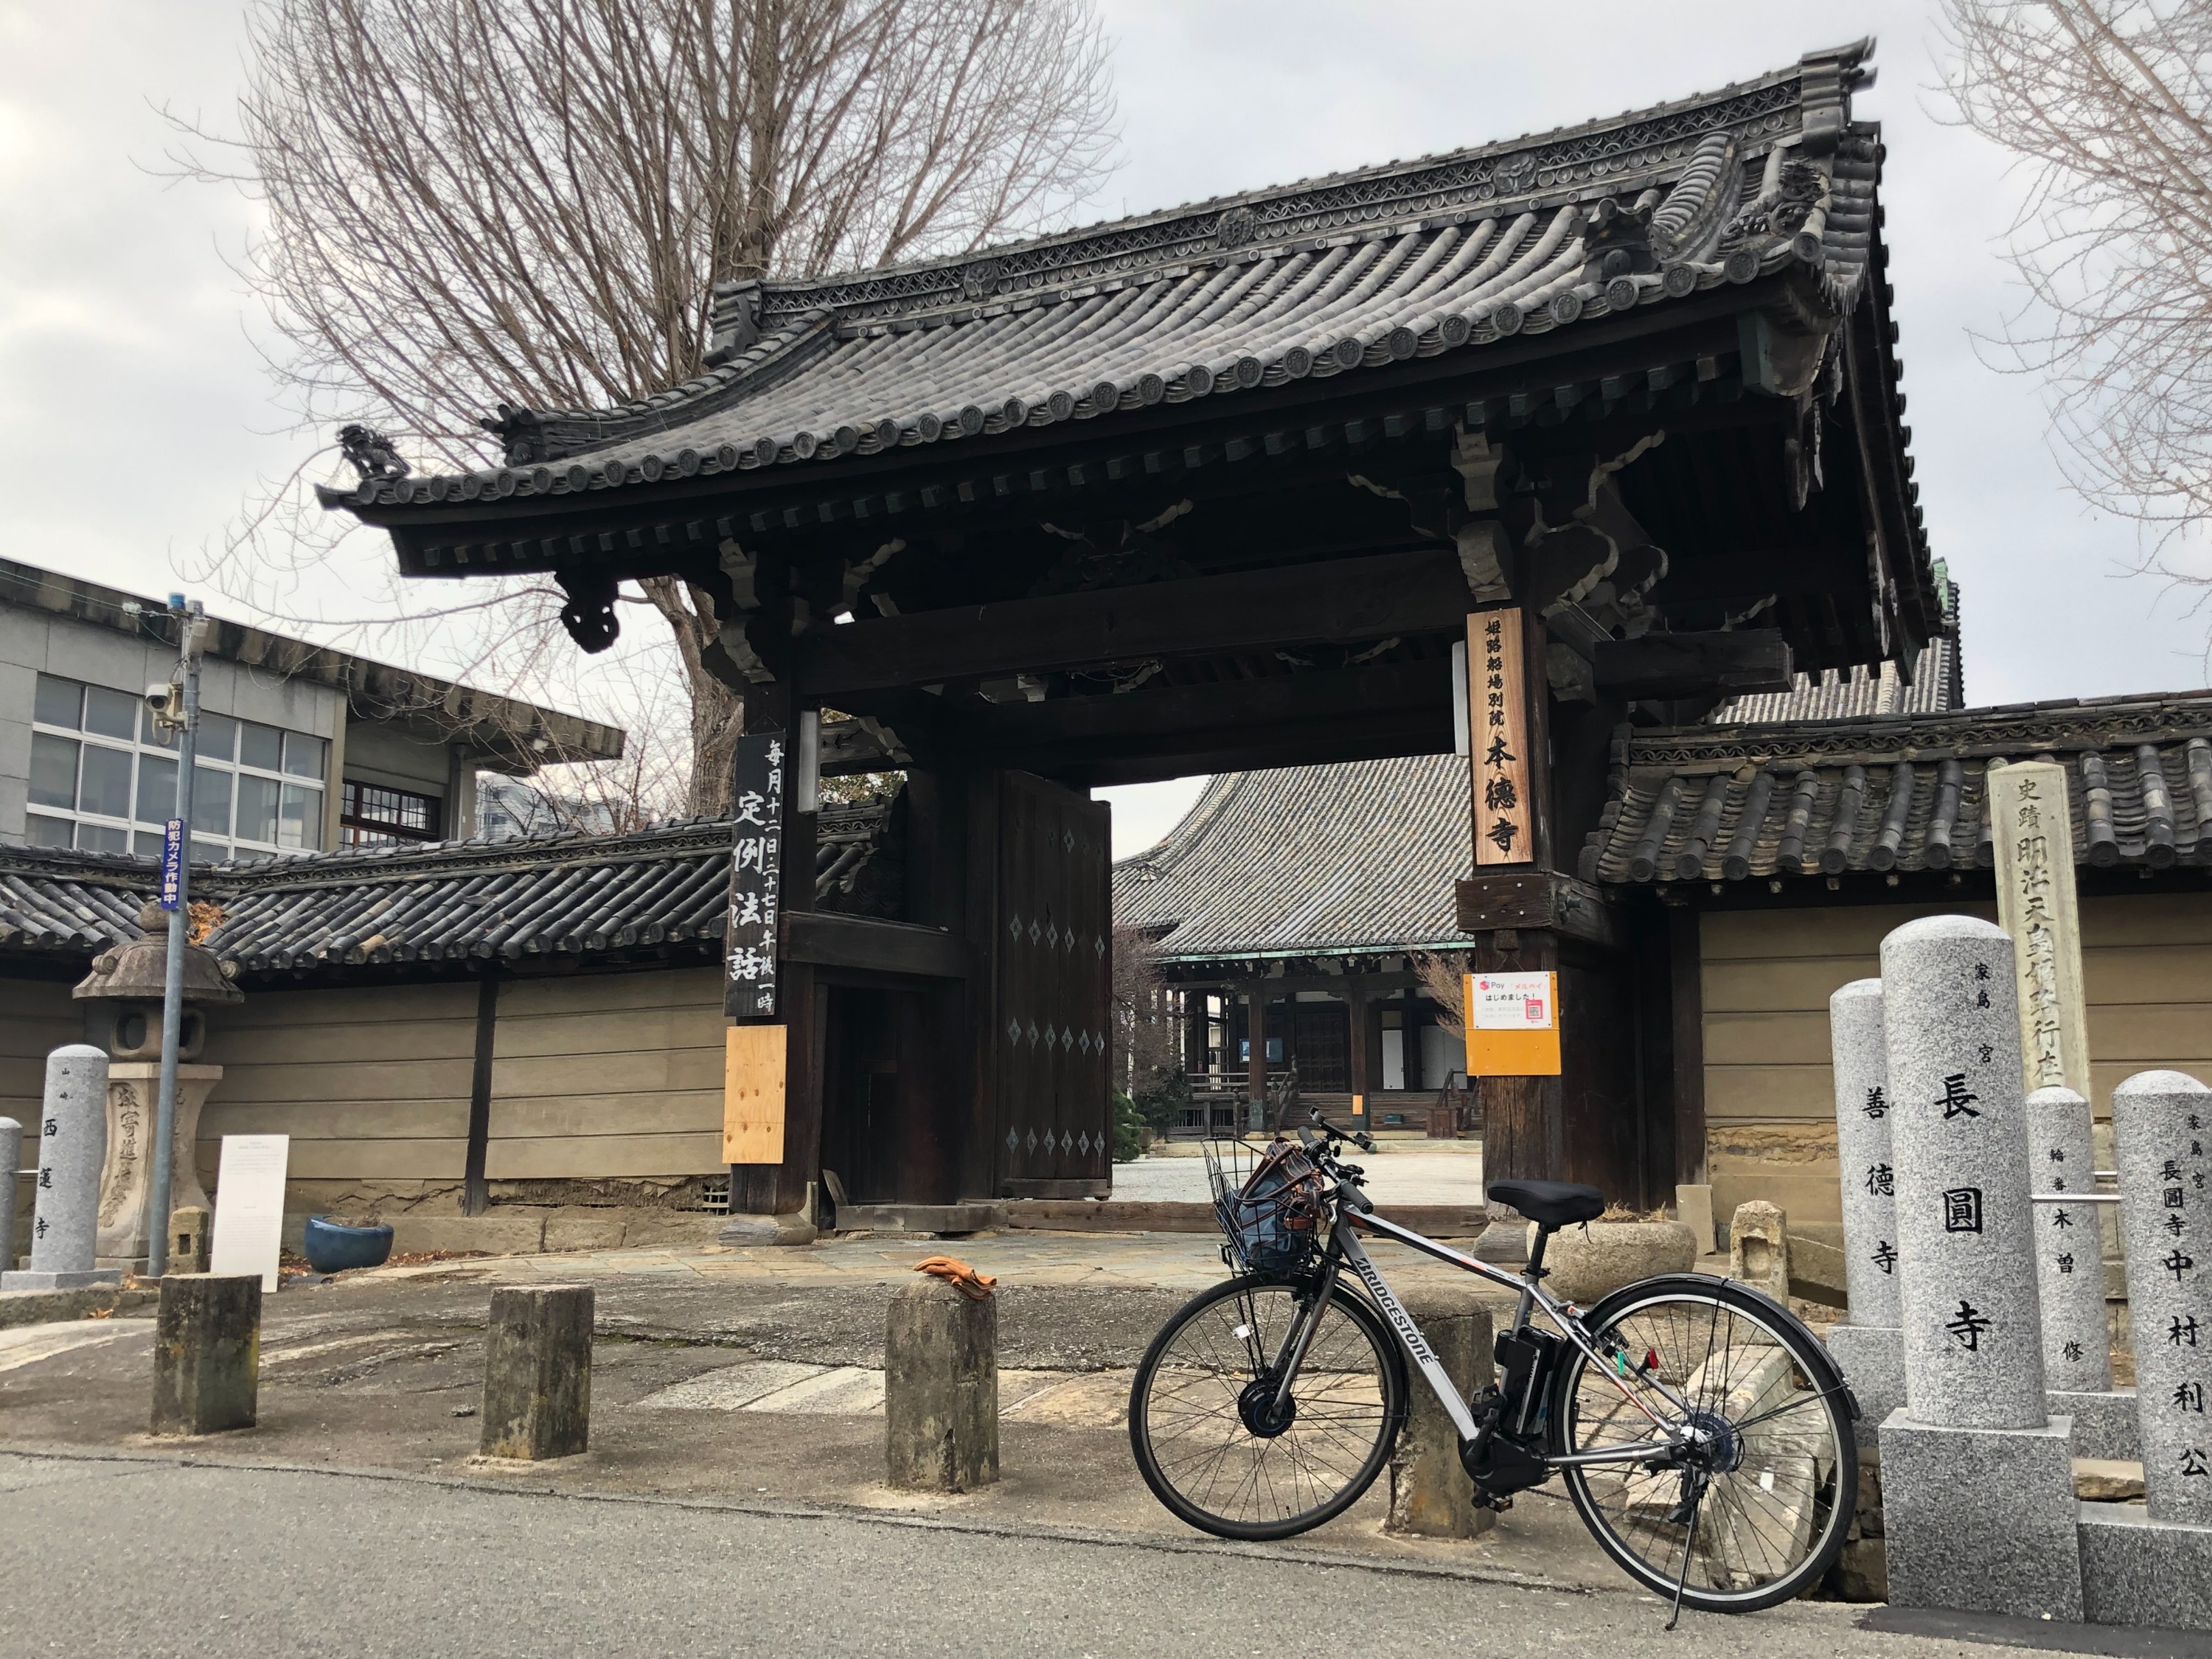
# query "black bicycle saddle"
(1550, 1203)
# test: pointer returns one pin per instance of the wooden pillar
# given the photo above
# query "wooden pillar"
(1685, 986)
(1194, 1031)
(1355, 1053)
(981, 1166)
(935, 1058)
(1255, 1064)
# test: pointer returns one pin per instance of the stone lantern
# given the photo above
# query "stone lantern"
(129, 979)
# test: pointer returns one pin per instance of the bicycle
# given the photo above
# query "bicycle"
(1704, 1435)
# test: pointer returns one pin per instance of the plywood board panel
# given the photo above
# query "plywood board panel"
(2147, 973)
(654, 1072)
(586, 1158)
(345, 1044)
(1753, 1039)
(690, 1111)
(610, 1031)
(366, 1160)
(1846, 930)
(1739, 1092)
(390, 1080)
(347, 1006)
(1780, 984)
(524, 999)
(753, 1095)
(2151, 919)
(2161, 1033)
(365, 1120)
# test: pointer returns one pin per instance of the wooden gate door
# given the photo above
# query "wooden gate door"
(1054, 976)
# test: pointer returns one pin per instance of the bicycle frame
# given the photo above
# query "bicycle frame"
(1344, 1246)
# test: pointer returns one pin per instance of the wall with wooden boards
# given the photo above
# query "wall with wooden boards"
(595, 1077)
(371, 1082)
(608, 1076)
(1767, 978)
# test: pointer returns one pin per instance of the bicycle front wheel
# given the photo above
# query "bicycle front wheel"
(1758, 1513)
(1210, 1438)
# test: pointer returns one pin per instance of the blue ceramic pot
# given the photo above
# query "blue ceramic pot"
(331, 1248)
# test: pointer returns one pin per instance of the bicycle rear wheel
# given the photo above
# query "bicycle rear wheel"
(1762, 1509)
(1204, 1428)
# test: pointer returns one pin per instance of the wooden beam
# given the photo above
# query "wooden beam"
(829, 940)
(1686, 664)
(1337, 601)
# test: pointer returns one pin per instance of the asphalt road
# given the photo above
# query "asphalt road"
(132, 1557)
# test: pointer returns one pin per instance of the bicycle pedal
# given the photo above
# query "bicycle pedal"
(1499, 1504)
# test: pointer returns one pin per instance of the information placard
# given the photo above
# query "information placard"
(249, 1206)
(1512, 1025)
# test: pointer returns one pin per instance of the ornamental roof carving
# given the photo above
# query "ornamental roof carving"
(1324, 277)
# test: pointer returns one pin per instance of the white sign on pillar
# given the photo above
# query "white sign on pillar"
(2032, 836)
(249, 1206)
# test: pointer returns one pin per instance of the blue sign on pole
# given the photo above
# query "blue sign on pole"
(172, 861)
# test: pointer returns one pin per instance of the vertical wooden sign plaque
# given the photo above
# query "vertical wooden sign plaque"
(1497, 700)
(749, 938)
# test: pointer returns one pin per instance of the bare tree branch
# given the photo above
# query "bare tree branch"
(471, 202)
(2108, 106)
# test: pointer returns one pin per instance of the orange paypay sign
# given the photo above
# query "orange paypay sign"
(1512, 1025)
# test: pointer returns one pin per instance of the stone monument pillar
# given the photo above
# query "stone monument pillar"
(2034, 841)
(130, 977)
(1978, 1481)
(11, 1160)
(1868, 1343)
(2154, 1565)
(2159, 1129)
(72, 1137)
(2069, 1271)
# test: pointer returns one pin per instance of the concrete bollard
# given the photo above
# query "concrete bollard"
(189, 1230)
(1431, 1494)
(1973, 1330)
(2161, 1121)
(2069, 1278)
(538, 1372)
(72, 1145)
(11, 1160)
(941, 1387)
(207, 1353)
(1759, 1248)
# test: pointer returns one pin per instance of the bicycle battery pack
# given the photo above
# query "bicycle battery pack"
(1505, 1456)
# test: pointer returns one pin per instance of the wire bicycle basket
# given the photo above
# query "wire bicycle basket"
(1270, 1202)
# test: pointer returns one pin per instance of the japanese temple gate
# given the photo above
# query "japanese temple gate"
(1221, 489)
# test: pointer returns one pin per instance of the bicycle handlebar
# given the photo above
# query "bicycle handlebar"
(1358, 1137)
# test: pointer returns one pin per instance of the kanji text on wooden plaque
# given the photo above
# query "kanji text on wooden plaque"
(1497, 699)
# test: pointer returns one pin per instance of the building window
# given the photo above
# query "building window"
(101, 774)
(369, 815)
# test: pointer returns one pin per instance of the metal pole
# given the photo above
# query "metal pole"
(173, 1001)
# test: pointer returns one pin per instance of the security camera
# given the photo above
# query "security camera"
(165, 701)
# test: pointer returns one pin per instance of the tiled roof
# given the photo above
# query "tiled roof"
(565, 894)
(1731, 803)
(1307, 859)
(1362, 270)
(1937, 685)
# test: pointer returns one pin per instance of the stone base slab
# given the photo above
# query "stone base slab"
(753, 1230)
(27, 1280)
(50, 1307)
(2136, 1570)
(1872, 1359)
(1982, 1519)
(2104, 1423)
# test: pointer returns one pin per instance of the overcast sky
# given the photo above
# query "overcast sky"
(136, 418)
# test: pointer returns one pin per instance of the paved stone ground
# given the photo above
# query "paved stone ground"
(128, 1556)
(1402, 1172)
(735, 1375)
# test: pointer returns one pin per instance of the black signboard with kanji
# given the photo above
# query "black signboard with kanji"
(748, 941)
